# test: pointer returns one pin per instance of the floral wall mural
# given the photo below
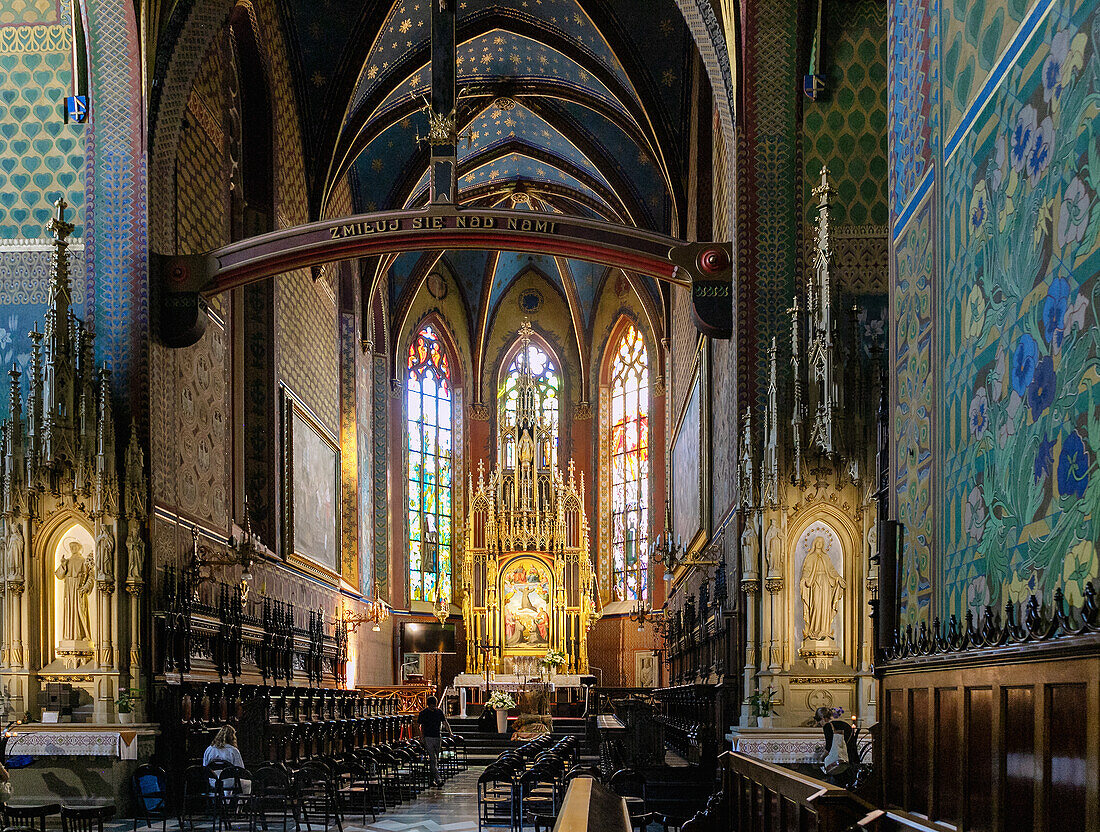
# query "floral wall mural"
(1021, 431)
(1015, 373)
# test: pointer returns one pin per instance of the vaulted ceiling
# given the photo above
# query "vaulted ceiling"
(572, 107)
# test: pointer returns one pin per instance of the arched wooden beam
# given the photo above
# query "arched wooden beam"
(705, 267)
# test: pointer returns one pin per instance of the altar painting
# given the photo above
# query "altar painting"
(525, 591)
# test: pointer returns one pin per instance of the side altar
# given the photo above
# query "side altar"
(527, 579)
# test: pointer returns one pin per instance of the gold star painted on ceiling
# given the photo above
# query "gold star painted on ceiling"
(543, 60)
(372, 73)
(511, 122)
(372, 206)
(498, 40)
(469, 177)
(495, 114)
(474, 136)
(406, 24)
(415, 80)
(486, 59)
(405, 122)
(376, 165)
(495, 174)
(318, 79)
(668, 78)
(666, 27)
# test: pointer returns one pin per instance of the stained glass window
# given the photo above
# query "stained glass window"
(630, 466)
(548, 387)
(429, 432)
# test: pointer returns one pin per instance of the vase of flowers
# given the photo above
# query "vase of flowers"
(762, 703)
(550, 663)
(127, 698)
(501, 702)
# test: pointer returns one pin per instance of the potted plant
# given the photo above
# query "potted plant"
(127, 697)
(763, 704)
(501, 702)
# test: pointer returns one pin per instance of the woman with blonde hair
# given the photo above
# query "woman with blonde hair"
(223, 752)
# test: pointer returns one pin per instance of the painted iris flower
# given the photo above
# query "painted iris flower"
(1054, 311)
(1040, 393)
(1044, 459)
(979, 412)
(1023, 137)
(1039, 158)
(979, 208)
(1073, 216)
(1073, 467)
(974, 513)
(1023, 363)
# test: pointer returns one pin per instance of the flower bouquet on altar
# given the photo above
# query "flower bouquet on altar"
(553, 660)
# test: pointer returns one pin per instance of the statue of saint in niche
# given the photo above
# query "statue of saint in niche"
(822, 588)
(13, 563)
(77, 575)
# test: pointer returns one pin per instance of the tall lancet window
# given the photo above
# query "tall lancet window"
(629, 456)
(429, 432)
(544, 373)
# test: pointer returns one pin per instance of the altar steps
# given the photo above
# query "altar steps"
(483, 747)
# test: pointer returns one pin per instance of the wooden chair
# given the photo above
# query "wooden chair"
(32, 817)
(149, 787)
(88, 819)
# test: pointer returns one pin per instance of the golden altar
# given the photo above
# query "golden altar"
(527, 581)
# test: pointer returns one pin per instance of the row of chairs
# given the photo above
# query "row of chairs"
(526, 785)
(319, 792)
(73, 819)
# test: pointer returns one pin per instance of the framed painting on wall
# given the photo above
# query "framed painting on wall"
(647, 669)
(311, 483)
(689, 465)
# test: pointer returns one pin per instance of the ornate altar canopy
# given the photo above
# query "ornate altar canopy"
(526, 575)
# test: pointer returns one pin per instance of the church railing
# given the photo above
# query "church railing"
(763, 797)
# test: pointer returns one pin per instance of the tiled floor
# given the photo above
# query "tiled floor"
(452, 808)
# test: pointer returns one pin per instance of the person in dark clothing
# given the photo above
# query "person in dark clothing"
(841, 754)
(432, 721)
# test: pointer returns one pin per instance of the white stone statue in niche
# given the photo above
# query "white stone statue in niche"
(13, 557)
(105, 555)
(77, 575)
(822, 589)
(748, 547)
(773, 551)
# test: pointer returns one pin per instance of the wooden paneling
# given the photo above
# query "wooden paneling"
(945, 746)
(979, 763)
(1066, 764)
(998, 739)
(1019, 755)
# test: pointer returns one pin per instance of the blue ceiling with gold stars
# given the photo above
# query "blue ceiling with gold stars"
(568, 106)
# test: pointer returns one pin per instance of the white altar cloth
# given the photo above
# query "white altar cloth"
(785, 746)
(509, 681)
(121, 743)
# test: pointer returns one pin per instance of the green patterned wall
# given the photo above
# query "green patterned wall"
(846, 128)
(41, 157)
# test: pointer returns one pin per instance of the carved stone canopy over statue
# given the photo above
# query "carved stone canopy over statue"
(76, 573)
(822, 589)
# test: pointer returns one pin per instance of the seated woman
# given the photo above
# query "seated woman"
(223, 750)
